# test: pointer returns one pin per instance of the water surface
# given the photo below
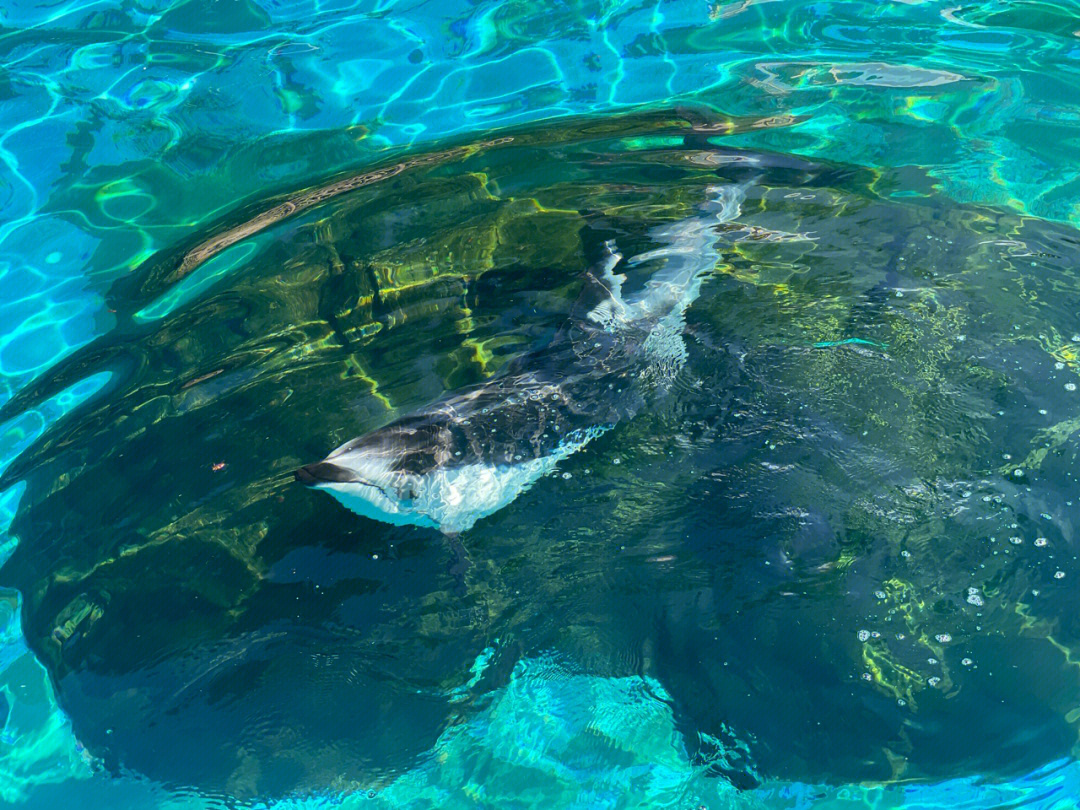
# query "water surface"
(840, 550)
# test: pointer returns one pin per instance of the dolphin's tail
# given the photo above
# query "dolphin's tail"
(688, 253)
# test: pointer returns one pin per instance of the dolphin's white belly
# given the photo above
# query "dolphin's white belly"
(452, 499)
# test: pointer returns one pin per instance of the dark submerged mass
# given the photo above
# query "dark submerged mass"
(783, 540)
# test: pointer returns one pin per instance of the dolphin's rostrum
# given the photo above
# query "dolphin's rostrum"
(475, 450)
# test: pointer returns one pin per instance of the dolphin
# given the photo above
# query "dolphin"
(475, 450)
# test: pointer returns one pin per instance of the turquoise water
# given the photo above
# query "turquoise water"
(133, 133)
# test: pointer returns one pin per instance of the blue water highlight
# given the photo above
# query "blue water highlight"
(127, 127)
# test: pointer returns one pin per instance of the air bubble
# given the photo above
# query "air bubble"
(1041, 541)
(944, 638)
(864, 635)
(934, 681)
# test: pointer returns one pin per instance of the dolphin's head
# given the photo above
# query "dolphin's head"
(383, 474)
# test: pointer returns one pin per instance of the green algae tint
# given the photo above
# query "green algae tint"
(840, 548)
(833, 567)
